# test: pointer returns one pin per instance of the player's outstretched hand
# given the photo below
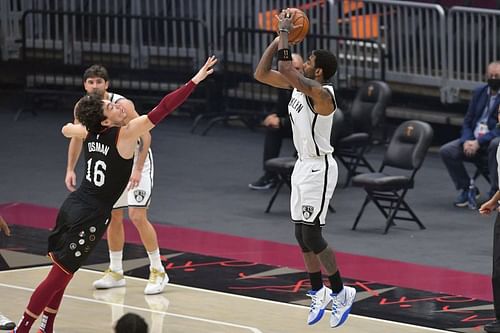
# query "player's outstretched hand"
(205, 70)
(4, 227)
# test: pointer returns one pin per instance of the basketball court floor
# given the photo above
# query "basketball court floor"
(221, 283)
(180, 309)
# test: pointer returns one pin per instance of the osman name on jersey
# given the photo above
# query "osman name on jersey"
(98, 147)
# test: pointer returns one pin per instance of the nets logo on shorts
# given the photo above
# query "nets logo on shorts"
(307, 211)
(139, 195)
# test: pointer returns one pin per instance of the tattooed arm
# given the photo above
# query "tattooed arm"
(322, 98)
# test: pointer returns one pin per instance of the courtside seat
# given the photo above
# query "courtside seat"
(388, 187)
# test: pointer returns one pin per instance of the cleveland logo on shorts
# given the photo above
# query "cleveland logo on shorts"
(139, 195)
(307, 211)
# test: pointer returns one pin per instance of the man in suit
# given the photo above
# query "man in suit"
(480, 137)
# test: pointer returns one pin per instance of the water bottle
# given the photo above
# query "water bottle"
(471, 195)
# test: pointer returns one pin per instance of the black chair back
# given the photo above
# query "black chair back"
(337, 124)
(409, 145)
(368, 107)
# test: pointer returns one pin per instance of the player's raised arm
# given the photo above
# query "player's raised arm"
(264, 72)
(310, 85)
(169, 103)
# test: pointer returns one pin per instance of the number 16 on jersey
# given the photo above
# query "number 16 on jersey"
(95, 173)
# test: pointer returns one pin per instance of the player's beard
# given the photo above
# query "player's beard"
(309, 74)
(99, 92)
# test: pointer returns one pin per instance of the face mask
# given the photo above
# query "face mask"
(494, 84)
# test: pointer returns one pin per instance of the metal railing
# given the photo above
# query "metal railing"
(473, 42)
(138, 51)
(245, 99)
(411, 33)
(426, 47)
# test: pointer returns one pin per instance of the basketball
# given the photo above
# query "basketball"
(300, 21)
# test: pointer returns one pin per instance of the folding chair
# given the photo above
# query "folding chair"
(406, 151)
(367, 113)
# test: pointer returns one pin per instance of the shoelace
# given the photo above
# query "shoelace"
(114, 275)
(154, 275)
(315, 301)
(336, 303)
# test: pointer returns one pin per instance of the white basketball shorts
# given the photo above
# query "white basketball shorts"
(139, 196)
(313, 182)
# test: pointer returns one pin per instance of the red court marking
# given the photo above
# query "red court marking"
(390, 272)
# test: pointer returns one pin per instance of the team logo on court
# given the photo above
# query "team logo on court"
(72, 246)
(139, 195)
(307, 211)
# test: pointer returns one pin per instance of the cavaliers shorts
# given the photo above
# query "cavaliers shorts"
(139, 196)
(79, 227)
(313, 182)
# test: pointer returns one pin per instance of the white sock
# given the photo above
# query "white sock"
(115, 261)
(155, 261)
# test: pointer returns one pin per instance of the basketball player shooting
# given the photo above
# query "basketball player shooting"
(315, 174)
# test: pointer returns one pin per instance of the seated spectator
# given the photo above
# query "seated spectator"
(278, 127)
(480, 137)
(131, 323)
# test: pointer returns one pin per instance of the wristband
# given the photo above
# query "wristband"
(284, 55)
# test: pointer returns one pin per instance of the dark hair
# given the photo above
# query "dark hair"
(96, 71)
(327, 61)
(131, 323)
(89, 111)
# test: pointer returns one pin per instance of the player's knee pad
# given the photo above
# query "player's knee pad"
(300, 240)
(313, 239)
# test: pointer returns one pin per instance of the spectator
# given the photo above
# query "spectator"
(131, 323)
(277, 128)
(480, 137)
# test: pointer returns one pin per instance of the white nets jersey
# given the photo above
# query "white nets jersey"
(315, 173)
(311, 131)
(139, 196)
(114, 97)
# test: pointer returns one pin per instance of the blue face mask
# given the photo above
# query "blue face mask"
(494, 84)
